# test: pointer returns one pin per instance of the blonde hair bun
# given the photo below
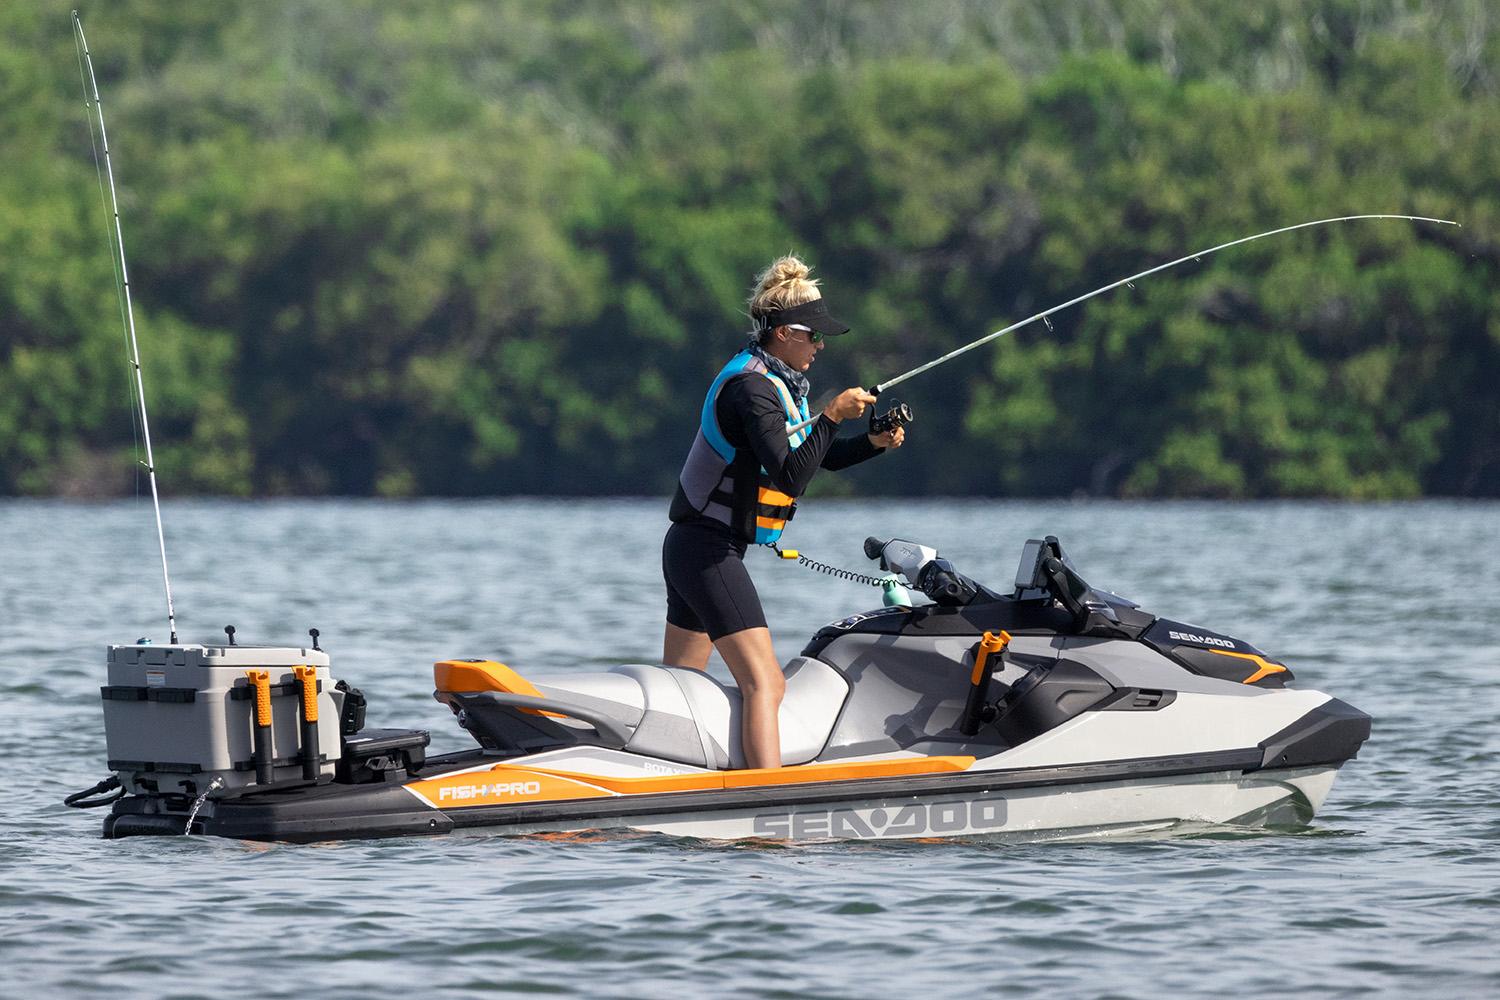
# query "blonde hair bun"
(784, 284)
(786, 269)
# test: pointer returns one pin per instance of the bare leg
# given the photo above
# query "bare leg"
(682, 648)
(753, 663)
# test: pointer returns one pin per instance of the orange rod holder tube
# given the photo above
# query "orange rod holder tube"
(985, 658)
(307, 682)
(260, 680)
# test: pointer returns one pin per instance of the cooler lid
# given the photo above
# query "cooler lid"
(218, 656)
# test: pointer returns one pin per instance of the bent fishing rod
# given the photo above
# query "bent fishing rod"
(122, 276)
(1045, 313)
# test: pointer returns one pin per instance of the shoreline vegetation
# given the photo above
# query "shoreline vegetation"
(499, 249)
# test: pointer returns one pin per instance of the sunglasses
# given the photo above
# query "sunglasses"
(813, 336)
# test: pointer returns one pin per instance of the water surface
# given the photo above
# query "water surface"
(1393, 891)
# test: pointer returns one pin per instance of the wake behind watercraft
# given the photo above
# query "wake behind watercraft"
(1052, 708)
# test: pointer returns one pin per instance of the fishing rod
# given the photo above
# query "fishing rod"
(117, 255)
(1197, 255)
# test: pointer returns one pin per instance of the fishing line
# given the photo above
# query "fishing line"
(1045, 313)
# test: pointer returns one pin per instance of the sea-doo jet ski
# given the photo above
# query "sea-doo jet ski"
(1053, 708)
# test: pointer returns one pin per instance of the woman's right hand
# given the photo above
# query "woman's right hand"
(849, 403)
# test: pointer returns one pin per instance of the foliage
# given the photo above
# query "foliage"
(470, 247)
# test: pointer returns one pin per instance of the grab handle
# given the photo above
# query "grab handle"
(612, 730)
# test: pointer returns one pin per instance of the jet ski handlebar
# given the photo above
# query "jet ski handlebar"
(1044, 570)
(924, 569)
(900, 556)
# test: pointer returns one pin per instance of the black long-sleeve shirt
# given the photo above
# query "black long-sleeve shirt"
(752, 418)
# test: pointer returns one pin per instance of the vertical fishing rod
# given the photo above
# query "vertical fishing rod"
(117, 251)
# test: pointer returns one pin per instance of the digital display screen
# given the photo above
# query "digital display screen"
(1026, 573)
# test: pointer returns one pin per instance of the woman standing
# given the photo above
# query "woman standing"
(740, 484)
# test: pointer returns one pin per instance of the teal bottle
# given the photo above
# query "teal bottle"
(893, 595)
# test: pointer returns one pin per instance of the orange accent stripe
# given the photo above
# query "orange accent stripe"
(467, 676)
(505, 783)
(775, 498)
(501, 786)
(769, 524)
(694, 782)
(850, 771)
(1266, 666)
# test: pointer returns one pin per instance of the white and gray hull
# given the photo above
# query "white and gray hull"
(1104, 808)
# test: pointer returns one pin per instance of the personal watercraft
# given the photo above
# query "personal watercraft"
(1052, 709)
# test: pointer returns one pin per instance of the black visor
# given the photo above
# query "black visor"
(813, 315)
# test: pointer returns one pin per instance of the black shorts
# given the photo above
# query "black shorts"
(708, 588)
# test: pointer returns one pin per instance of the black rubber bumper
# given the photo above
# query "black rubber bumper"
(326, 812)
(1332, 733)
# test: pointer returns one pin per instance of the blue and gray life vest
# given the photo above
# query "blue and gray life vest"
(707, 480)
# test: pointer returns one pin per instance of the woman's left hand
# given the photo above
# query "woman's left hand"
(890, 439)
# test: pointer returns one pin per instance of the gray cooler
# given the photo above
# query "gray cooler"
(176, 717)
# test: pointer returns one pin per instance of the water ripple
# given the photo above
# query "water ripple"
(1391, 892)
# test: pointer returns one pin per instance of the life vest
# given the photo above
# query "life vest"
(707, 480)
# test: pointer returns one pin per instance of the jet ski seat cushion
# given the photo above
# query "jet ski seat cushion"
(673, 713)
(815, 692)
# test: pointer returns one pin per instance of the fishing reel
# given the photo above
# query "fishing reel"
(897, 416)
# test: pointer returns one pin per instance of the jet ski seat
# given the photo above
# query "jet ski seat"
(673, 713)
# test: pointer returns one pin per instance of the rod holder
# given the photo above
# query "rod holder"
(260, 680)
(986, 655)
(307, 681)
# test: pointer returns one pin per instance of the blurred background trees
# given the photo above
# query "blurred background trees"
(484, 248)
